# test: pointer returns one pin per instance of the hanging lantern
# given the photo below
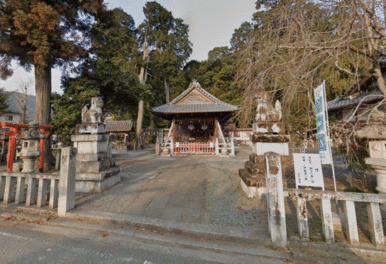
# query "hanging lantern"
(191, 127)
(204, 126)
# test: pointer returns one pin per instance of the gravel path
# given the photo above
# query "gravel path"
(200, 189)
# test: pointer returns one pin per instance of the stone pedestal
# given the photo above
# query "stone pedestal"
(268, 136)
(253, 176)
(376, 131)
(95, 168)
(91, 128)
(379, 166)
(260, 148)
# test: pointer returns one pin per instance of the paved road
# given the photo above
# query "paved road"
(82, 246)
(29, 247)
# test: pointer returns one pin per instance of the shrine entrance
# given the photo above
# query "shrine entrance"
(198, 120)
(194, 136)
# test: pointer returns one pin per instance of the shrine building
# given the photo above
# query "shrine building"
(197, 121)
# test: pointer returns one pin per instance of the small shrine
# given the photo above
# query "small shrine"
(95, 168)
(197, 122)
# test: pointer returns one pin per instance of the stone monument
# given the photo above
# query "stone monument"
(95, 168)
(268, 135)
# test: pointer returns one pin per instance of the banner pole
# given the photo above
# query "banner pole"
(328, 134)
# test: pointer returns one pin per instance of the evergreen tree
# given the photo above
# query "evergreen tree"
(44, 34)
(165, 47)
(3, 101)
(108, 71)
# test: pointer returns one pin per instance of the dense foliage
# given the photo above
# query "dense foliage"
(288, 48)
(3, 101)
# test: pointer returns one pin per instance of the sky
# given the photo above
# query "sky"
(211, 24)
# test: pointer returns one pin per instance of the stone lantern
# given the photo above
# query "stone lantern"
(375, 132)
(31, 146)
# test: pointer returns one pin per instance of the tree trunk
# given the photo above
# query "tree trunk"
(167, 91)
(151, 116)
(142, 79)
(24, 106)
(380, 79)
(140, 119)
(379, 76)
(43, 108)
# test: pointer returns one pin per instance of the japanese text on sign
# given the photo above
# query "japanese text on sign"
(308, 170)
(321, 125)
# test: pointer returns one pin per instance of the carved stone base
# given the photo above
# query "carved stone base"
(251, 191)
(97, 182)
(90, 128)
(261, 147)
(379, 166)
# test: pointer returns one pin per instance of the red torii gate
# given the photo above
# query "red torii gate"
(14, 129)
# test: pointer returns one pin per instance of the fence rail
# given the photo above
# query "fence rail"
(31, 188)
(195, 148)
(58, 188)
(372, 201)
(277, 217)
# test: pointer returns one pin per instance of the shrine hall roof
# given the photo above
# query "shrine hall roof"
(118, 126)
(194, 100)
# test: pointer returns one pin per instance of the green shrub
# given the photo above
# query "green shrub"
(151, 138)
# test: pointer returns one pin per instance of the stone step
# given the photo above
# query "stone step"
(255, 169)
(257, 159)
(251, 181)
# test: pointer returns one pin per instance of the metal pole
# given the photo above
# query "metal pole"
(328, 133)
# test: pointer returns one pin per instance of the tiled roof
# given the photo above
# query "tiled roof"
(368, 97)
(118, 126)
(179, 106)
(14, 104)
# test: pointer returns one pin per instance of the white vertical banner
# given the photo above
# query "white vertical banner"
(322, 127)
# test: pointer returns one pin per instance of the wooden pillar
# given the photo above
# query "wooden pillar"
(11, 149)
(41, 157)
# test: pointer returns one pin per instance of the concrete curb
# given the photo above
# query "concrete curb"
(168, 238)
(252, 242)
(181, 228)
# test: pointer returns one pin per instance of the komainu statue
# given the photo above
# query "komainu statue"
(265, 111)
(94, 114)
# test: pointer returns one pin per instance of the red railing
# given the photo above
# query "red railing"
(194, 148)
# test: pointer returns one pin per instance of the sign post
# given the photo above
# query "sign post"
(308, 170)
(322, 127)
